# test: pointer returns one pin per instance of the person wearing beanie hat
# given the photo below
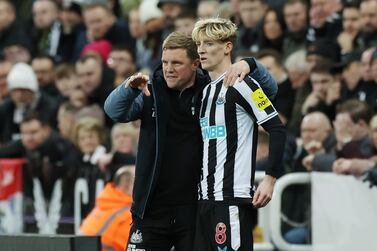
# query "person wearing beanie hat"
(24, 97)
(22, 76)
(149, 11)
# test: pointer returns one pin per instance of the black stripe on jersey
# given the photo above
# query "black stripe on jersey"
(253, 158)
(202, 113)
(205, 100)
(253, 86)
(269, 109)
(231, 143)
(212, 151)
(242, 102)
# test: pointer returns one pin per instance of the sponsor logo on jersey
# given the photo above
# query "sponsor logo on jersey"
(260, 99)
(211, 132)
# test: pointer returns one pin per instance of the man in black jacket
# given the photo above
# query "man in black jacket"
(49, 158)
(170, 145)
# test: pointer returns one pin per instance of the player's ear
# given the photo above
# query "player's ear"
(228, 47)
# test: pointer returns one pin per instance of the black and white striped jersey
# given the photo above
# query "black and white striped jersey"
(228, 120)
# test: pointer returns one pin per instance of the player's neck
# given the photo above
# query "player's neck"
(220, 69)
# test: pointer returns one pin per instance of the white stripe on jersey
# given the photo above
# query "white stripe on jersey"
(221, 148)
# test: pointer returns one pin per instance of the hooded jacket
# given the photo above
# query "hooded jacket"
(111, 219)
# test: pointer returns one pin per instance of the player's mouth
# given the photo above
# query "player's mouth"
(203, 59)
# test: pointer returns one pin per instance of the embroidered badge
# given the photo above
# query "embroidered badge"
(136, 237)
(260, 99)
(221, 99)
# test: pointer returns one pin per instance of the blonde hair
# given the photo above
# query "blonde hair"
(127, 128)
(89, 124)
(215, 29)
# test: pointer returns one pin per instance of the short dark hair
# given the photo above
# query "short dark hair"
(121, 47)
(270, 53)
(324, 66)
(179, 40)
(45, 56)
(358, 110)
(32, 115)
(64, 71)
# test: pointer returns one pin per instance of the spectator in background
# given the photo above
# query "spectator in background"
(66, 80)
(122, 61)
(111, 218)
(298, 73)
(24, 98)
(94, 79)
(153, 21)
(123, 151)
(171, 9)
(49, 37)
(326, 91)
(296, 19)
(66, 120)
(349, 38)
(102, 24)
(43, 67)
(251, 13)
(208, 8)
(284, 99)
(71, 17)
(323, 50)
(185, 22)
(138, 32)
(368, 11)
(9, 27)
(18, 50)
(5, 67)
(353, 86)
(49, 158)
(273, 27)
(352, 131)
(357, 166)
(316, 139)
(325, 21)
(88, 137)
(366, 69)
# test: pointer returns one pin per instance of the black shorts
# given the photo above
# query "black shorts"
(160, 232)
(221, 227)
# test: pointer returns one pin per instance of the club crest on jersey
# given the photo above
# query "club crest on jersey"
(221, 99)
(136, 237)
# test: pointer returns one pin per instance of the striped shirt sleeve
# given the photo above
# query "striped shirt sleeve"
(254, 100)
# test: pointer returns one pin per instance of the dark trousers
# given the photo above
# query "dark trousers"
(160, 232)
(221, 227)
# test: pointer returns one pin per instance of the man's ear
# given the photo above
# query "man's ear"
(228, 47)
(195, 64)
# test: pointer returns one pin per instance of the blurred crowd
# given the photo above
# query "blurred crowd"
(60, 59)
